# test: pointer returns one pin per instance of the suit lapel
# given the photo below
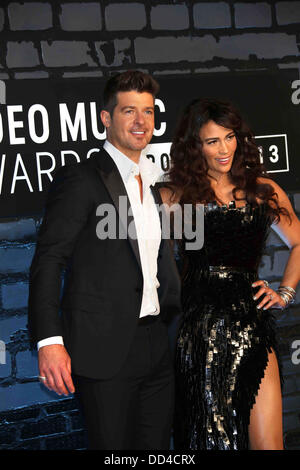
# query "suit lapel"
(113, 182)
(161, 209)
(156, 195)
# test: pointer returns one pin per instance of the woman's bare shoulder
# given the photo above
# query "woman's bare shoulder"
(280, 193)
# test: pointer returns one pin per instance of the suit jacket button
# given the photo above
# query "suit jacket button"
(138, 289)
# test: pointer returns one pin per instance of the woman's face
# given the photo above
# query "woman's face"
(218, 147)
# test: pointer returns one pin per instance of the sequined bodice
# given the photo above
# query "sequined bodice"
(233, 237)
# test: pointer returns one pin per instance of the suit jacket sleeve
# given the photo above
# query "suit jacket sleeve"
(67, 210)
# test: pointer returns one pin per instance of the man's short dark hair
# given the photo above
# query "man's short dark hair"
(132, 80)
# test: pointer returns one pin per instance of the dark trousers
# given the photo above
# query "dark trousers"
(134, 409)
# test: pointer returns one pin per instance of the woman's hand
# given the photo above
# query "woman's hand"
(271, 298)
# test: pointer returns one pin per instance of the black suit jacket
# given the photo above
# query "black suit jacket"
(98, 309)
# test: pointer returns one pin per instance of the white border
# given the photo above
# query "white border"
(286, 151)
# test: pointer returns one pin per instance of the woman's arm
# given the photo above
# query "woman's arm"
(289, 231)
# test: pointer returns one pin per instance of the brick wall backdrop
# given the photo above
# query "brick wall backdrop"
(47, 39)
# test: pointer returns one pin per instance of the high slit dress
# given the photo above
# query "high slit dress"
(223, 339)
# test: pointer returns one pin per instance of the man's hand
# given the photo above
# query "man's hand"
(55, 365)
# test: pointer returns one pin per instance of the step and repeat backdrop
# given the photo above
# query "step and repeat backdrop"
(45, 124)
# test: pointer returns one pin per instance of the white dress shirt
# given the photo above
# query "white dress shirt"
(147, 224)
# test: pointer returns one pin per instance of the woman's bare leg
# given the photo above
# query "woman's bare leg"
(265, 429)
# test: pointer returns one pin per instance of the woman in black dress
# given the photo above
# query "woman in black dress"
(228, 381)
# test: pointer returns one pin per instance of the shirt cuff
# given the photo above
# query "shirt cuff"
(51, 340)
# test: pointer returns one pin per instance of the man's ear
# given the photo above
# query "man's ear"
(105, 118)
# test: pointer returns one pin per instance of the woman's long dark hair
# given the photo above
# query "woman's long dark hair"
(188, 175)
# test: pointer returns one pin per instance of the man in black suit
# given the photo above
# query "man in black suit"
(105, 336)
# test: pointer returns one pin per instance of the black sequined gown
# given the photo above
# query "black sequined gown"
(223, 342)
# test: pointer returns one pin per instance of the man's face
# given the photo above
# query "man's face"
(131, 126)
